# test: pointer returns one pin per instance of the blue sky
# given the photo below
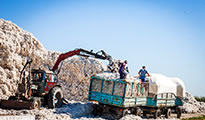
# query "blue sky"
(166, 36)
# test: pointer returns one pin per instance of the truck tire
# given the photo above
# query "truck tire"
(94, 112)
(36, 103)
(157, 113)
(168, 113)
(97, 110)
(179, 112)
(137, 111)
(125, 112)
(145, 113)
(55, 98)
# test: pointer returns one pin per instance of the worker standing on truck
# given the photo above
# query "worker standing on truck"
(122, 69)
(142, 73)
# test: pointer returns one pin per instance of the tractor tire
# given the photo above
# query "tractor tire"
(36, 103)
(168, 113)
(55, 98)
(12, 98)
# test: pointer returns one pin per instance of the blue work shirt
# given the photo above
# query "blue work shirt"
(143, 73)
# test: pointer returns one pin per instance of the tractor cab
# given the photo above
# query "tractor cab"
(42, 81)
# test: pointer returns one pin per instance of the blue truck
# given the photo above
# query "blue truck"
(139, 98)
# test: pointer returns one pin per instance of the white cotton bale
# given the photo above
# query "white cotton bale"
(153, 88)
(168, 84)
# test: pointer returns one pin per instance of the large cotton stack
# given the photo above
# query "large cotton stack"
(16, 45)
(168, 84)
(191, 105)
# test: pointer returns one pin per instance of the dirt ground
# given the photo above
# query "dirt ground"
(174, 116)
(191, 115)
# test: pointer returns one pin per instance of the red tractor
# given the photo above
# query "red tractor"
(39, 87)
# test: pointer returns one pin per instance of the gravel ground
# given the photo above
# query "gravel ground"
(78, 111)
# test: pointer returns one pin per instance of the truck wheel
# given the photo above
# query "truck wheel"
(179, 112)
(36, 103)
(157, 113)
(94, 112)
(168, 113)
(97, 110)
(137, 111)
(144, 114)
(55, 98)
(125, 112)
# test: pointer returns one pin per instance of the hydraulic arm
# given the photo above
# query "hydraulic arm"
(81, 52)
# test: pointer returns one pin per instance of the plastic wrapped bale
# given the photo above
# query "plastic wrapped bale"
(168, 84)
(180, 91)
(152, 90)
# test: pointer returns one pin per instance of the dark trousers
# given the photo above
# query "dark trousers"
(142, 79)
(122, 75)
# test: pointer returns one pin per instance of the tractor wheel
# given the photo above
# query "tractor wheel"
(179, 112)
(55, 98)
(12, 98)
(36, 103)
(168, 113)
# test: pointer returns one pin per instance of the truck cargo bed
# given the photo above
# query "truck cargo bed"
(124, 94)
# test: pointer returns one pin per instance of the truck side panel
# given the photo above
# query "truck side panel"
(103, 91)
(122, 94)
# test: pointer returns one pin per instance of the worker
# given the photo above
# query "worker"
(142, 73)
(122, 69)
